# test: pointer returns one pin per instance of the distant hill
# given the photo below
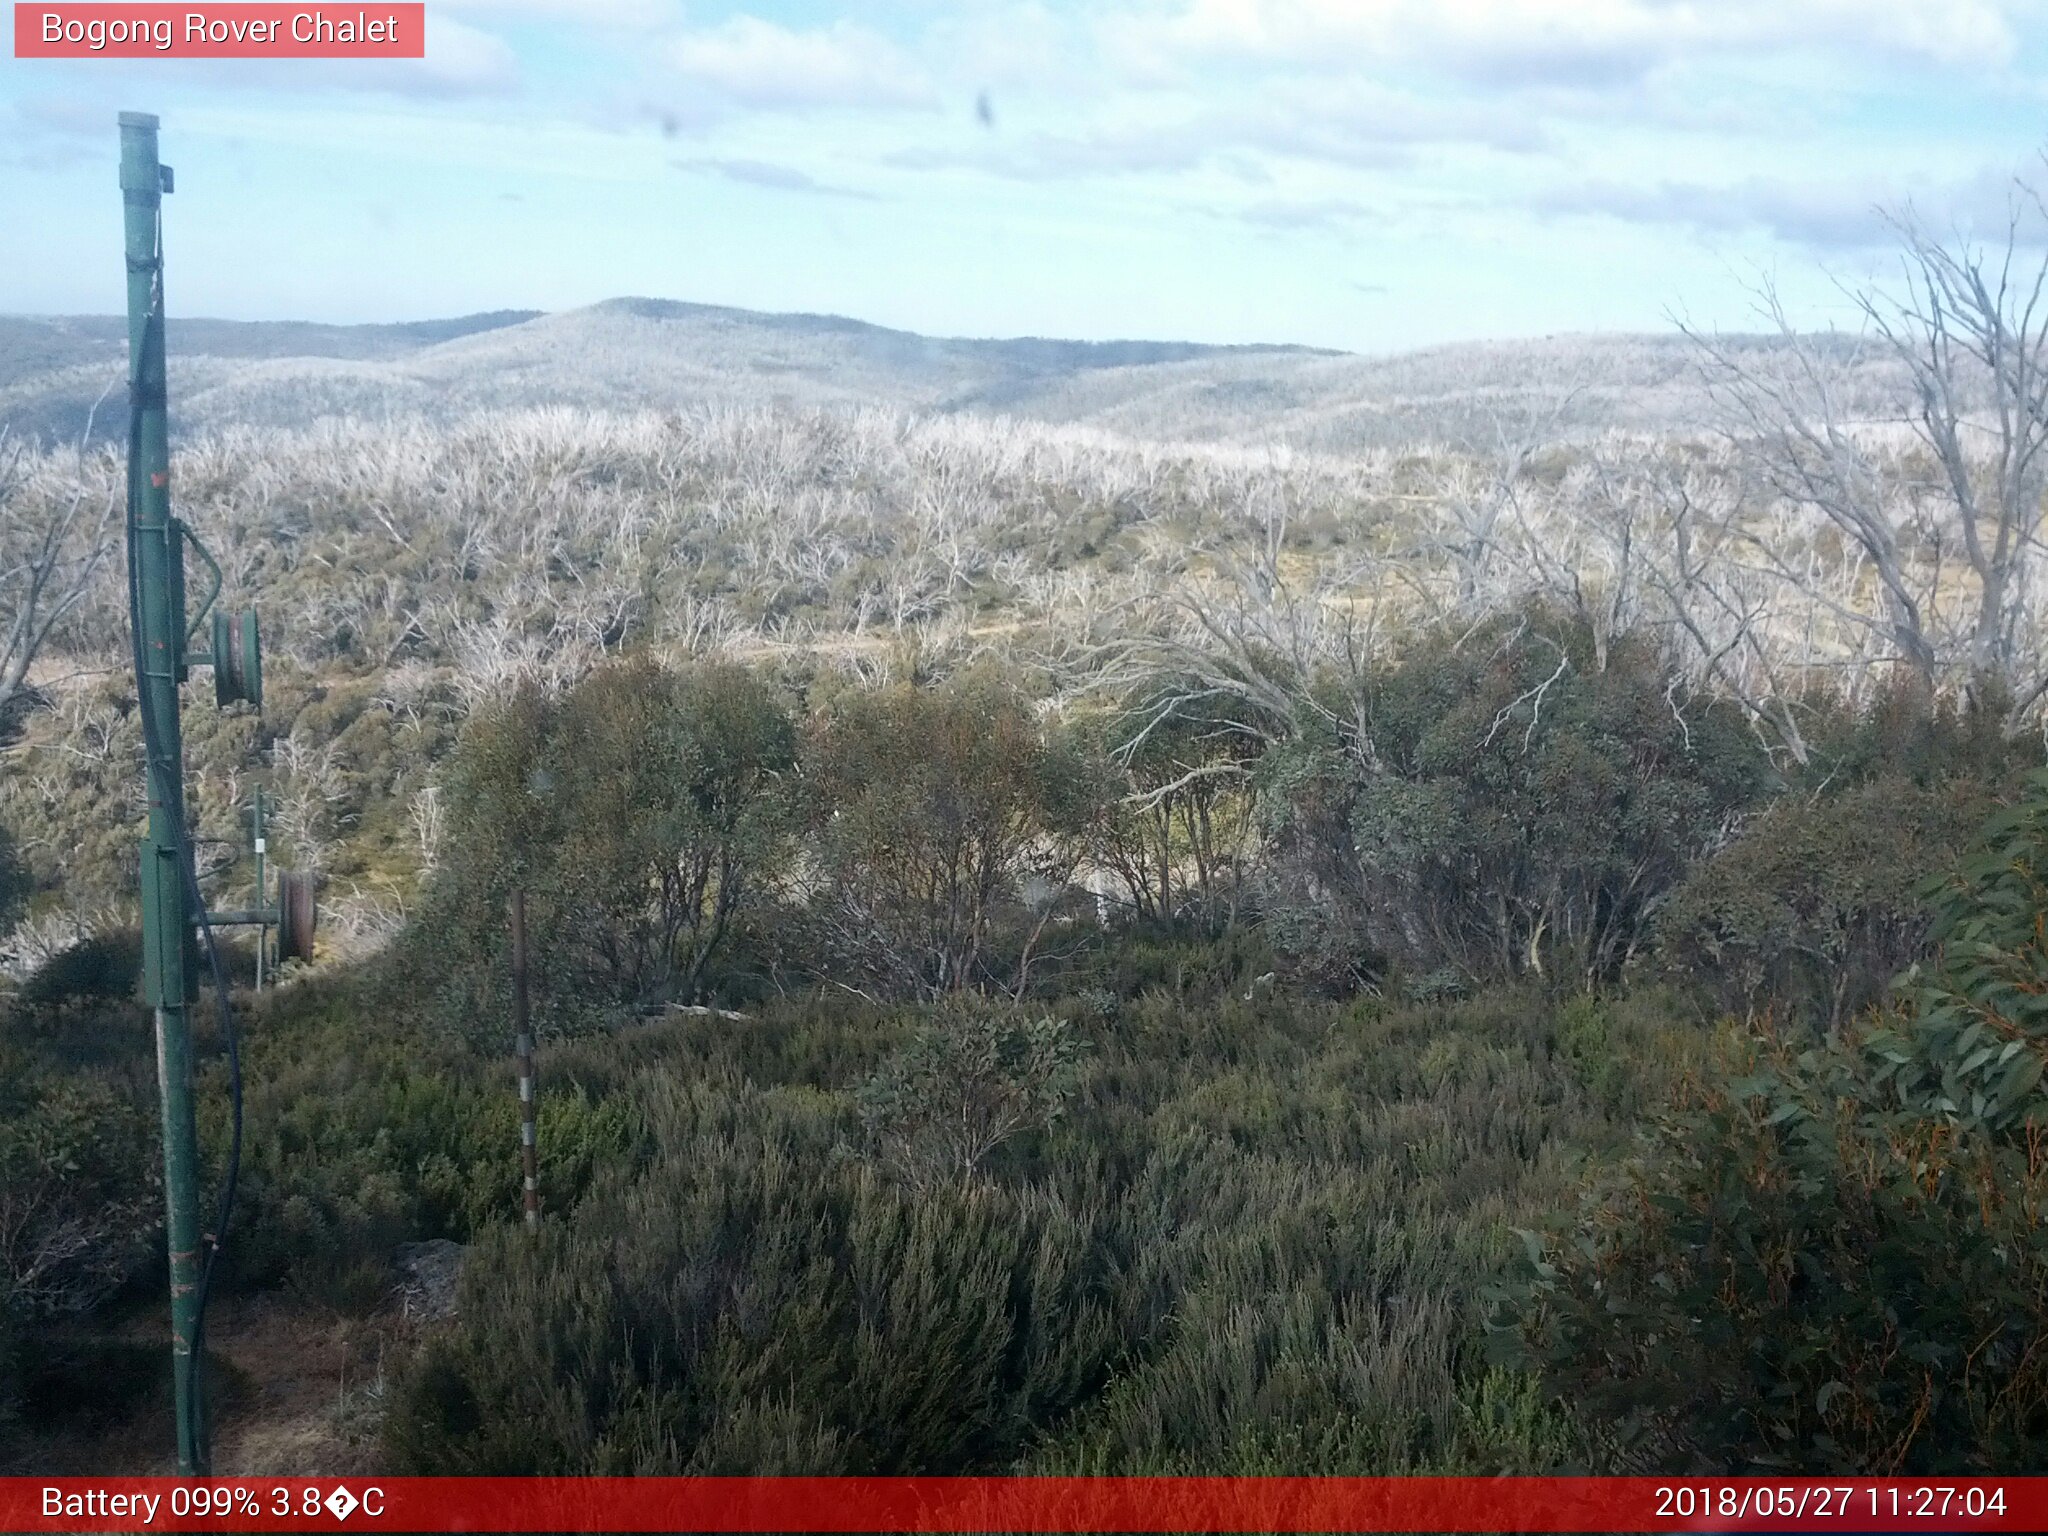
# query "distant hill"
(635, 352)
(54, 368)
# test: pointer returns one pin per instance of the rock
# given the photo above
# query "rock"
(428, 1274)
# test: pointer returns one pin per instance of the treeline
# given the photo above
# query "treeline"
(1505, 804)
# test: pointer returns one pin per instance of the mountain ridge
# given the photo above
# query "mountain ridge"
(632, 353)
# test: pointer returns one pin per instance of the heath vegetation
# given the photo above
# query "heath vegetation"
(1066, 947)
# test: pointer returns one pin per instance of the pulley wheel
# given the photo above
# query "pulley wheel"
(237, 658)
(296, 915)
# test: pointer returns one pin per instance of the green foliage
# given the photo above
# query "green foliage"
(1903, 733)
(965, 1083)
(78, 1193)
(639, 811)
(1585, 1040)
(1517, 800)
(1188, 965)
(1790, 1277)
(101, 968)
(944, 812)
(1972, 1048)
(776, 1312)
(363, 1136)
(851, 1232)
(1255, 1231)
(1833, 1259)
(1817, 905)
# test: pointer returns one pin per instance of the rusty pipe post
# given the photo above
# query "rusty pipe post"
(522, 1023)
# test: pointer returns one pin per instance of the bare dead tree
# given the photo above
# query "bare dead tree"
(52, 542)
(1724, 618)
(1967, 326)
(1805, 446)
(1972, 333)
(1478, 499)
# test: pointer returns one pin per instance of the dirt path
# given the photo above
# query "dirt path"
(298, 1392)
(312, 1387)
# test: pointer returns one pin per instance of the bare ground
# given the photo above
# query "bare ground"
(297, 1388)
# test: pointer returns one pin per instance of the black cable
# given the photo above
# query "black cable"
(158, 764)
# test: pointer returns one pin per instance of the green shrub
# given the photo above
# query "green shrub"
(773, 1312)
(1901, 733)
(944, 816)
(1816, 906)
(1972, 1049)
(965, 1083)
(1516, 800)
(362, 1135)
(1258, 1228)
(1833, 1259)
(1790, 1278)
(79, 1201)
(1186, 965)
(642, 813)
(1629, 1048)
(105, 966)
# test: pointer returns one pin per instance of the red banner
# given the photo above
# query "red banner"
(1061, 1504)
(215, 31)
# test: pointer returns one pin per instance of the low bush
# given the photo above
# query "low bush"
(363, 1136)
(1816, 906)
(79, 1193)
(104, 967)
(774, 1311)
(1513, 801)
(1257, 1227)
(1789, 1278)
(965, 1083)
(1832, 1258)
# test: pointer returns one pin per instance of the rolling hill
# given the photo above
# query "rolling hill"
(648, 353)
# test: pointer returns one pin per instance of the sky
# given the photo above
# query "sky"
(1372, 175)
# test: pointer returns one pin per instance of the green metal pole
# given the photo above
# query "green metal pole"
(156, 556)
(262, 886)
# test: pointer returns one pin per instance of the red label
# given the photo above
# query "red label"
(261, 31)
(1043, 1504)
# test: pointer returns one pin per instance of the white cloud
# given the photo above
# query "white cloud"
(770, 175)
(1311, 213)
(461, 60)
(759, 65)
(1587, 43)
(1830, 215)
(1018, 44)
(591, 14)
(1360, 126)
